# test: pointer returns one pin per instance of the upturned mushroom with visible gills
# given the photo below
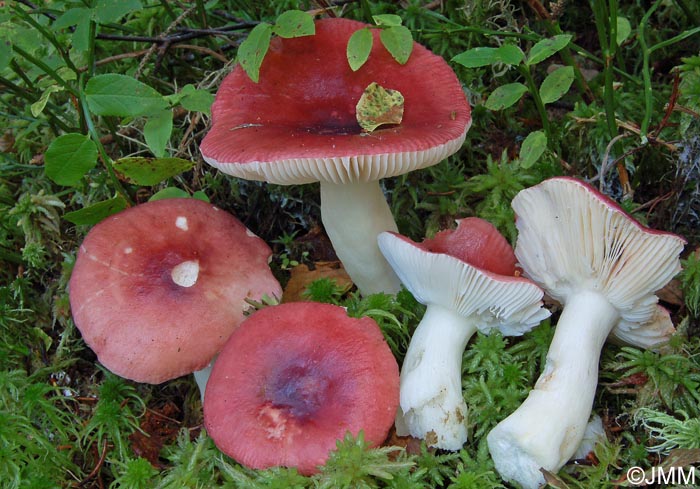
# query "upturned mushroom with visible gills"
(295, 378)
(158, 288)
(298, 125)
(467, 277)
(604, 267)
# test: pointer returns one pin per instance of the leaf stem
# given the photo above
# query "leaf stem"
(603, 20)
(646, 71)
(534, 91)
(48, 35)
(46, 69)
(100, 148)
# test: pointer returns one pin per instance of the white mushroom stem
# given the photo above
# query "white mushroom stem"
(201, 377)
(431, 379)
(353, 214)
(547, 428)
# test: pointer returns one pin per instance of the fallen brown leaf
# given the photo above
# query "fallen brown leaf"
(301, 276)
(158, 428)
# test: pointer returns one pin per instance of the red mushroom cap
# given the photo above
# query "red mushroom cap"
(293, 379)
(157, 289)
(298, 123)
(477, 242)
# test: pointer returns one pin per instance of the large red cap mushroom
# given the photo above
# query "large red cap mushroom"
(467, 278)
(298, 125)
(158, 288)
(296, 377)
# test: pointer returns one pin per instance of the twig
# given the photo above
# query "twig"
(170, 28)
(93, 473)
(632, 128)
(671, 104)
(604, 165)
(141, 52)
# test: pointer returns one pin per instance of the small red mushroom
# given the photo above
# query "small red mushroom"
(467, 279)
(296, 377)
(157, 289)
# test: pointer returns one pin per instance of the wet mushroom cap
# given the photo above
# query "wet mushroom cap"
(298, 123)
(158, 288)
(296, 377)
(477, 242)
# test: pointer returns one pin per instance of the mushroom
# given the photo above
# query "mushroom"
(158, 288)
(604, 267)
(468, 280)
(298, 125)
(296, 377)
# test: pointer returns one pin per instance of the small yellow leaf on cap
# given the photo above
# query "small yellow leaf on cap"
(378, 106)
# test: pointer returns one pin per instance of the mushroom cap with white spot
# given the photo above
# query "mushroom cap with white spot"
(571, 237)
(297, 123)
(158, 288)
(509, 303)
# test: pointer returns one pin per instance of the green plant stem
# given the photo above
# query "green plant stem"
(479, 30)
(680, 37)
(91, 49)
(100, 148)
(53, 121)
(535, 93)
(48, 35)
(646, 69)
(646, 72)
(694, 18)
(46, 69)
(604, 22)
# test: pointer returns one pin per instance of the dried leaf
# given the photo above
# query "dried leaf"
(301, 276)
(553, 480)
(379, 106)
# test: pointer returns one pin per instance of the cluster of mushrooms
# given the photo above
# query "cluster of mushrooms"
(157, 297)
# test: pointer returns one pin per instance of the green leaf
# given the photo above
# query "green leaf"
(177, 193)
(252, 51)
(387, 20)
(107, 11)
(69, 157)
(150, 171)
(196, 100)
(200, 195)
(624, 29)
(359, 47)
(80, 39)
(70, 17)
(546, 48)
(483, 56)
(5, 54)
(38, 106)
(157, 131)
(5, 51)
(476, 57)
(505, 96)
(169, 193)
(294, 23)
(88, 216)
(123, 96)
(556, 84)
(398, 41)
(510, 54)
(532, 148)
